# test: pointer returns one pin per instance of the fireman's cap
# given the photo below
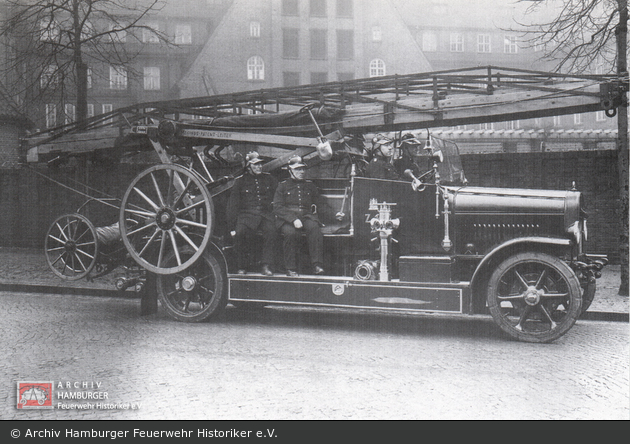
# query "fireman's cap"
(296, 162)
(252, 157)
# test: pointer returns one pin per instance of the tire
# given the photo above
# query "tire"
(71, 246)
(196, 294)
(173, 210)
(534, 297)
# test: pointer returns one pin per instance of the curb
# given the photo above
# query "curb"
(83, 291)
(129, 294)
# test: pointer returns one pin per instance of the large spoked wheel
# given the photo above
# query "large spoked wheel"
(195, 294)
(174, 212)
(534, 297)
(71, 246)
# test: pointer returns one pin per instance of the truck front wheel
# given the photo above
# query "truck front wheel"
(534, 297)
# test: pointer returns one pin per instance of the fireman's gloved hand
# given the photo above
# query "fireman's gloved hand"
(340, 215)
(297, 223)
(232, 233)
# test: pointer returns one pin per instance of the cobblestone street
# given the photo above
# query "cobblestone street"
(306, 364)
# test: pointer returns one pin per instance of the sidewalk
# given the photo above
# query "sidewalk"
(23, 269)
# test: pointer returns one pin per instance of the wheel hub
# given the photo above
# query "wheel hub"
(531, 296)
(70, 246)
(165, 219)
(189, 283)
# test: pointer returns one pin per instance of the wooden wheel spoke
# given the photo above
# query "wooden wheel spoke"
(175, 248)
(155, 233)
(58, 257)
(157, 190)
(191, 223)
(85, 244)
(87, 230)
(142, 213)
(190, 207)
(146, 198)
(62, 232)
(78, 250)
(142, 228)
(83, 267)
(186, 238)
(57, 239)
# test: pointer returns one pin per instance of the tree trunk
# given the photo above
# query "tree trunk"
(622, 143)
(80, 66)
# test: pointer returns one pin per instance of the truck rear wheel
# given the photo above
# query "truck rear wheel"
(195, 294)
(534, 297)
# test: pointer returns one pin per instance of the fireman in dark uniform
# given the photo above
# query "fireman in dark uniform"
(381, 166)
(249, 209)
(295, 204)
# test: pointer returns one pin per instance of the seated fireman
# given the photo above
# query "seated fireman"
(296, 204)
(249, 209)
(381, 166)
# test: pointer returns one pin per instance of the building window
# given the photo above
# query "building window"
(48, 77)
(183, 34)
(319, 77)
(486, 126)
(557, 121)
(117, 77)
(513, 124)
(291, 78)
(483, 43)
(377, 34)
(457, 43)
(290, 7)
(345, 76)
(319, 44)
(51, 115)
(290, 43)
(89, 78)
(577, 119)
(70, 114)
(345, 8)
(429, 42)
(254, 29)
(345, 44)
(317, 8)
(377, 68)
(600, 116)
(49, 30)
(108, 108)
(149, 33)
(151, 78)
(90, 110)
(510, 45)
(255, 68)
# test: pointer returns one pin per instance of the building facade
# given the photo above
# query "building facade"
(455, 34)
(274, 43)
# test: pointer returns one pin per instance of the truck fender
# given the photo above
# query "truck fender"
(516, 243)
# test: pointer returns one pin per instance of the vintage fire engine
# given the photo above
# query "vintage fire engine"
(427, 243)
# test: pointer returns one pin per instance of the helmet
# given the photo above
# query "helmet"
(252, 157)
(296, 162)
(380, 141)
